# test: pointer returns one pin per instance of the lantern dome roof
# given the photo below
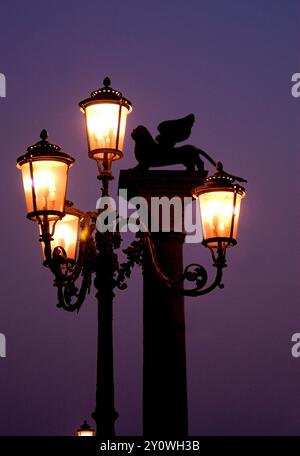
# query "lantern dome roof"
(106, 94)
(44, 150)
(220, 180)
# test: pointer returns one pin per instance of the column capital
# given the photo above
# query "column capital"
(160, 182)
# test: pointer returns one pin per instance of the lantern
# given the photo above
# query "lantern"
(220, 201)
(85, 430)
(105, 114)
(45, 172)
(66, 233)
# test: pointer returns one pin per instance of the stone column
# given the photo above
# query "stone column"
(164, 370)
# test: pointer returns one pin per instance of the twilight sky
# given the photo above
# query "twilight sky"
(230, 63)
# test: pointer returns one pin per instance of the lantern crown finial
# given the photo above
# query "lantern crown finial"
(44, 150)
(219, 167)
(44, 135)
(106, 94)
(43, 146)
(85, 426)
(106, 82)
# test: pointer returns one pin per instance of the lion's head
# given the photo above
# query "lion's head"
(142, 136)
(145, 146)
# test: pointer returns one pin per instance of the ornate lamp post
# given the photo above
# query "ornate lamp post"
(74, 247)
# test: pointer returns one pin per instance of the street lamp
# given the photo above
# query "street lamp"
(76, 248)
(45, 174)
(85, 430)
(220, 201)
(105, 114)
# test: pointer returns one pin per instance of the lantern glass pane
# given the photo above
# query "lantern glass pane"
(49, 181)
(102, 127)
(66, 235)
(216, 210)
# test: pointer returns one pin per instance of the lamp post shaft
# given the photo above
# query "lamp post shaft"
(105, 414)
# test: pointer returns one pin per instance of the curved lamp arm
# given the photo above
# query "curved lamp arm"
(199, 277)
(67, 291)
(192, 273)
(66, 273)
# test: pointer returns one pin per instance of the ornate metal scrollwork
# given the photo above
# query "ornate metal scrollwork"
(194, 272)
(66, 272)
(96, 253)
(134, 253)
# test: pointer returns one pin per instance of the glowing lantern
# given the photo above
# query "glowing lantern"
(45, 172)
(105, 113)
(220, 201)
(66, 233)
(85, 430)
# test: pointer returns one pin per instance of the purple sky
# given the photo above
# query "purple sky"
(230, 63)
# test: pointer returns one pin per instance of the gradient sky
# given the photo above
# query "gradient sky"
(228, 62)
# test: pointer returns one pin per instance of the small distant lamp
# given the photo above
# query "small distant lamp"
(85, 430)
